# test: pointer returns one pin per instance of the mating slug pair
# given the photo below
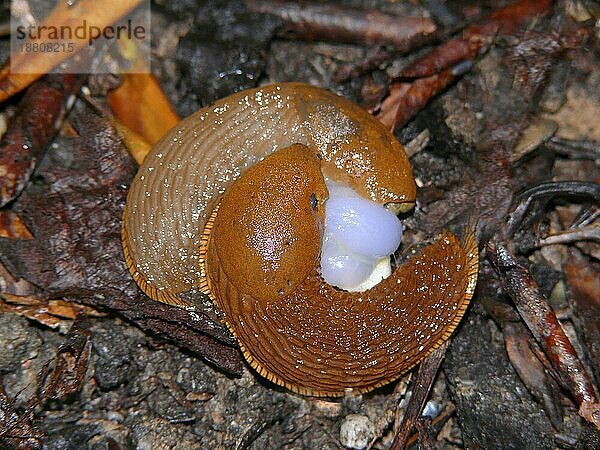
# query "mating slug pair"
(234, 202)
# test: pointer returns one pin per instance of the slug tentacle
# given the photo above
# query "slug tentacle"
(232, 203)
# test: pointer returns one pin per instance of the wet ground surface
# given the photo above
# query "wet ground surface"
(140, 390)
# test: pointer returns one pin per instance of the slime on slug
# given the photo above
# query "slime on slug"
(233, 202)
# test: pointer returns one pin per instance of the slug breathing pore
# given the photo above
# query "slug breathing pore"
(280, 204)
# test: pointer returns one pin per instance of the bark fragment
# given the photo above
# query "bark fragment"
(39, 117)
(17, 430)
(318, 21)
(544, 325)
(440, 66)
(75, 217)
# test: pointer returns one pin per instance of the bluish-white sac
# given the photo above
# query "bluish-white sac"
(358, 239)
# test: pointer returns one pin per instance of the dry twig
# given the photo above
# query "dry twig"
(545, 327)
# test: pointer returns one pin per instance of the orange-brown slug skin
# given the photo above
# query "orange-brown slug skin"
(181, 181)
(321, 341)
(274, 217)
(232, 201)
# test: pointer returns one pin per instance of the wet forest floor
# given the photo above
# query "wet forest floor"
(88, 362)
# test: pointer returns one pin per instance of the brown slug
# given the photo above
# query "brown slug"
(232, 202)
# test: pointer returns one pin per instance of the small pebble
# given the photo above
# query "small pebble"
(432, 409)
(356, 431)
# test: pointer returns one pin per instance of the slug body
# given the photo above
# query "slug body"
(232, 202)
(273, 224)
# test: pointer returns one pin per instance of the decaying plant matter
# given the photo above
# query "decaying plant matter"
(499, 155)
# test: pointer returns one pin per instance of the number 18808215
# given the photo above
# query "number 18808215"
(47, 47)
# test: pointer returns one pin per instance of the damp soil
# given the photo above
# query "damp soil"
(138, 386)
